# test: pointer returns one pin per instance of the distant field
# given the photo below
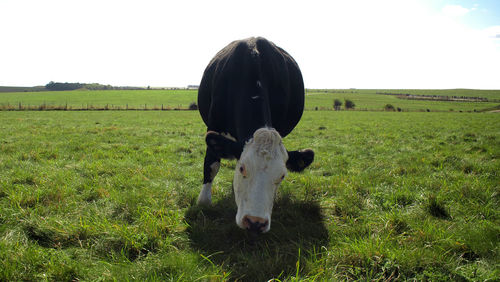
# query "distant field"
(101, 98)
(110, 195)
(322, 100)
(490, 94)
(369, 100)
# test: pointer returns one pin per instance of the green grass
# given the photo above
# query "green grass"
(369, 100)
(101, 98)
(140, 99)
(110, 195)
(490, 94)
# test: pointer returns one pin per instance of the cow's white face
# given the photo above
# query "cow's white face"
(262, 165)
(258, 174)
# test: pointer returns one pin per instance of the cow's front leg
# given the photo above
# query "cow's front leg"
(210, 169)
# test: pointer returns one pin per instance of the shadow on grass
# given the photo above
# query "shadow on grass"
(297, 233)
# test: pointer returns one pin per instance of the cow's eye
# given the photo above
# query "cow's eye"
(280, 179)
(243, 171)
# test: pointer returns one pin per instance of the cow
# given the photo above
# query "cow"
(251, 96)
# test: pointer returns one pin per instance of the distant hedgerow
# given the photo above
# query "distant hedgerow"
(348, 104)
(337, 104)
(389, 107)
(193, 106)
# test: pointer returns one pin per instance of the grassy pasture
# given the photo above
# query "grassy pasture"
(138, 99)
(101, 98)
(490, 94)
(110, 195)
(369, 100)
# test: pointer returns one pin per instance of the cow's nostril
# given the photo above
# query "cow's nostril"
(255, 224)
(247, 222)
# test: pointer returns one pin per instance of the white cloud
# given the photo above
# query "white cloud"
(455, 10)
(492, 31)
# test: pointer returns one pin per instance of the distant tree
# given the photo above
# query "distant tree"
(348, 104)
(50, 85)
(193, 106)
(337, 104)
(389, 107)
(59, 86)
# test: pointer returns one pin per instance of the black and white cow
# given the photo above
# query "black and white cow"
(251, 95)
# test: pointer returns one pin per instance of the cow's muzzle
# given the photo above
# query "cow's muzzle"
(255, 224)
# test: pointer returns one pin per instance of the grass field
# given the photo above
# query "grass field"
(100, 98)
(110, 196)
(490, 94)
(369, 100)
(315, 99)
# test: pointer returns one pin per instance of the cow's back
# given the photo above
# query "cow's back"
(250, 84)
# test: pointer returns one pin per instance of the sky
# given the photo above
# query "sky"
(396, 44)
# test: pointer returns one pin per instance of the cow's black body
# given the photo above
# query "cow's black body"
(248, 85)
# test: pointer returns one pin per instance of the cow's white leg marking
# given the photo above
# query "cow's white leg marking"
(205, 197)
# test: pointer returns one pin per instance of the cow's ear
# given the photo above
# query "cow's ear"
(224, 147)
(299, 160)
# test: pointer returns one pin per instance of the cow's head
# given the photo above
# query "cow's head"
(262, 166)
